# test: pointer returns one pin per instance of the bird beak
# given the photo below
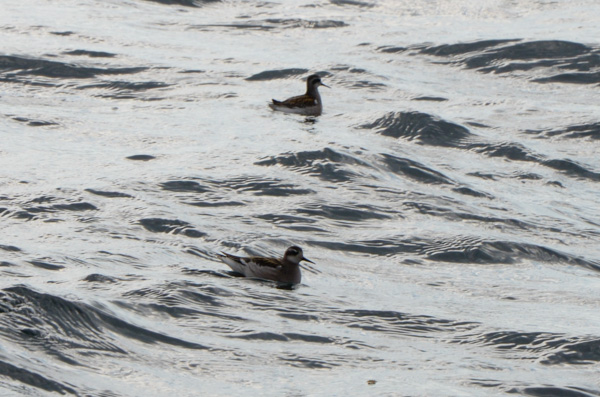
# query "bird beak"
(325, 86)
(308, 260)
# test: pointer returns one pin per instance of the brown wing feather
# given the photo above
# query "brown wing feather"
(266, 262)
(260, 267)
(259, 260)
(301, 101)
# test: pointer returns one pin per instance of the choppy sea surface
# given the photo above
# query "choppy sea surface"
(449, 195)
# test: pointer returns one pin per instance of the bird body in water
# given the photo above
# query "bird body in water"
(285, 270)
(309, 104)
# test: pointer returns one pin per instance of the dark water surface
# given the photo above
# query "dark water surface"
(448, 195)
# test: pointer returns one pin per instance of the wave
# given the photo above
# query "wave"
(591, 130)
(109, 194)
(509, 56)
(429, 130)
(304, 23)
(473, 250)
(353, 213)
(325, 164)
(396, 323)
(572, 78)
(46, 265)
(276, 23)
(213, 192)
(340, 166)
(266, 187)
(284, 337)
(185, 3)
(185, 186)
(34, 379)
(10, 248)
(422, 127)
(34, 123)
(352, 3)
(575, 351)
(354, 78)
(277, 74)
(91, 54)
(123, 89)
(291, 222)
(414, 170)
(546, 391)
(449, 50)
(461, 249)
(13, 68)
(518, 152)
(170, 226)
(28, 71)
(60, 326)
(496, 50)
(41, 208)
(548, 348)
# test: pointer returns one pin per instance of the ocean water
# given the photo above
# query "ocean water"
(449, 195)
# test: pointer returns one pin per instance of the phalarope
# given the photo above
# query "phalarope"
(309, 104)
(285, 270)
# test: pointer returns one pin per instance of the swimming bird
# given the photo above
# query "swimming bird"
(309, 104)
(285, 270)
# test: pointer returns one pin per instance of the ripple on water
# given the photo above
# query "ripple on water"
(422, 127)
(397, 324)
(327, 164)
(352, 213)
(426, 129)
(91, 54)
(14, 68)
(578, 131)
(400, 209)
(48, 208)
(271, 24)
(352, 3)
(185, 3)
(35, 123)
(67, 329)
(277, 74)
(34, 379)
(518, 152)
(414, 170)
(460, 249)
(291, 222)
(545, 391)
(211, 189)
(170, 226)
(506, 56)
(123, 89)
(108, 194)
(550, 348)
